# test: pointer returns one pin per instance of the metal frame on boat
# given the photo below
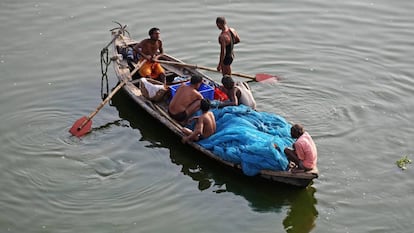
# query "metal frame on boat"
(158, 109)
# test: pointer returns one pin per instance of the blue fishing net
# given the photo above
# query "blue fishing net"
(246, 137)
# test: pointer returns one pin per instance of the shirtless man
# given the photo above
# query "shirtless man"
(237, 94)
(205, 126)
(186, 100)
(227, 39)
(150, 49)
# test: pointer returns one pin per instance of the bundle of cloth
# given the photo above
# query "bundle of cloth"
(247, 137)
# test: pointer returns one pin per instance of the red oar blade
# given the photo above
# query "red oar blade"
(81, 127)
(268, 78)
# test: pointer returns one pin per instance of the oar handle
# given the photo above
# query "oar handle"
(244, 75)
(115, 90)
(175, 63)
(102, 104)
(137, 67)
(203, 68)
(109, 97)
(165, 114)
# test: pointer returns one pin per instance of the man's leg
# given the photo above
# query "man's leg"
(291, 156)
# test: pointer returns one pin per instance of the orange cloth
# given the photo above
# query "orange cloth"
(306, 151)
(151, 69)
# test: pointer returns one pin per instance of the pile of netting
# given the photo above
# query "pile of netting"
(247, 137)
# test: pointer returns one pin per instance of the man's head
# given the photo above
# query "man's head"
(227, 82)
(154, 33)
(296, 131)
(220, 22)
(196, 80)
(205, 105)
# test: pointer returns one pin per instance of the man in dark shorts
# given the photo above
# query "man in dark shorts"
(186, 100)
(227, 39)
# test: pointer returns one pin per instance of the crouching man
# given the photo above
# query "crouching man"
(205, 126)
(304, 153)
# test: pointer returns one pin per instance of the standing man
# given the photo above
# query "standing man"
(227, 39)
(150, 49)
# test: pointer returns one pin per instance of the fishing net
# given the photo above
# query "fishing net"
(247, 137)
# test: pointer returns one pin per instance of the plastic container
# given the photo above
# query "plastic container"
(205, 90)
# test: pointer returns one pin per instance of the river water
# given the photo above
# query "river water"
(346, 71)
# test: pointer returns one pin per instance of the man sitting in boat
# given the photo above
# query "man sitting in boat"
(150, 49)
(304, 153)
(205, 126)
(186, 100)
(238, 93)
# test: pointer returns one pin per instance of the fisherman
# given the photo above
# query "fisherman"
(304, 153)
(227, 39)
(205, 126)
(150, 49)
(238, 93)
(186, 100)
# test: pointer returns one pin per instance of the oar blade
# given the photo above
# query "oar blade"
(78, 130)
(268, 78)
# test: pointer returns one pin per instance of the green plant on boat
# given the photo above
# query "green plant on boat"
(402, 163)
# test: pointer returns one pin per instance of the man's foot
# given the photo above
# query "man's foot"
(292, 166)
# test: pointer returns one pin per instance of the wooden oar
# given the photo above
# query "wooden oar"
(83, 125)
(258, 77)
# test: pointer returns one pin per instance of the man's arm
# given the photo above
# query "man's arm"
(233, 100)
(161, 48)
(222, 43)
(236, 37)
(138, 49)
(199, 96)
(195, 135)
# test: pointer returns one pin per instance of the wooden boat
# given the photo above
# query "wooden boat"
(158, 109)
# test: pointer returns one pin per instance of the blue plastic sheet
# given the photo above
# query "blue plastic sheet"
(247, 137)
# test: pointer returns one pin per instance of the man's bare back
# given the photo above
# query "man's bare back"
(186, 100)
(205, 126)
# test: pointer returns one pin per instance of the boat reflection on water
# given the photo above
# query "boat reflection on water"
(262, 197)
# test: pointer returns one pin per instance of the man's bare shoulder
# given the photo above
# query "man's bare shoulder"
(145, 42)
(204, 118)
(222, 37)
(185, 88)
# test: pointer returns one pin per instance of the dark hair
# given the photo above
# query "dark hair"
(221, 20)
(205, 105)
(227, 81)
(152, 30)
(298, 129)
(195, 79)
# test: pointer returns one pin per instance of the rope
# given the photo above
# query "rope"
(105, 61)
